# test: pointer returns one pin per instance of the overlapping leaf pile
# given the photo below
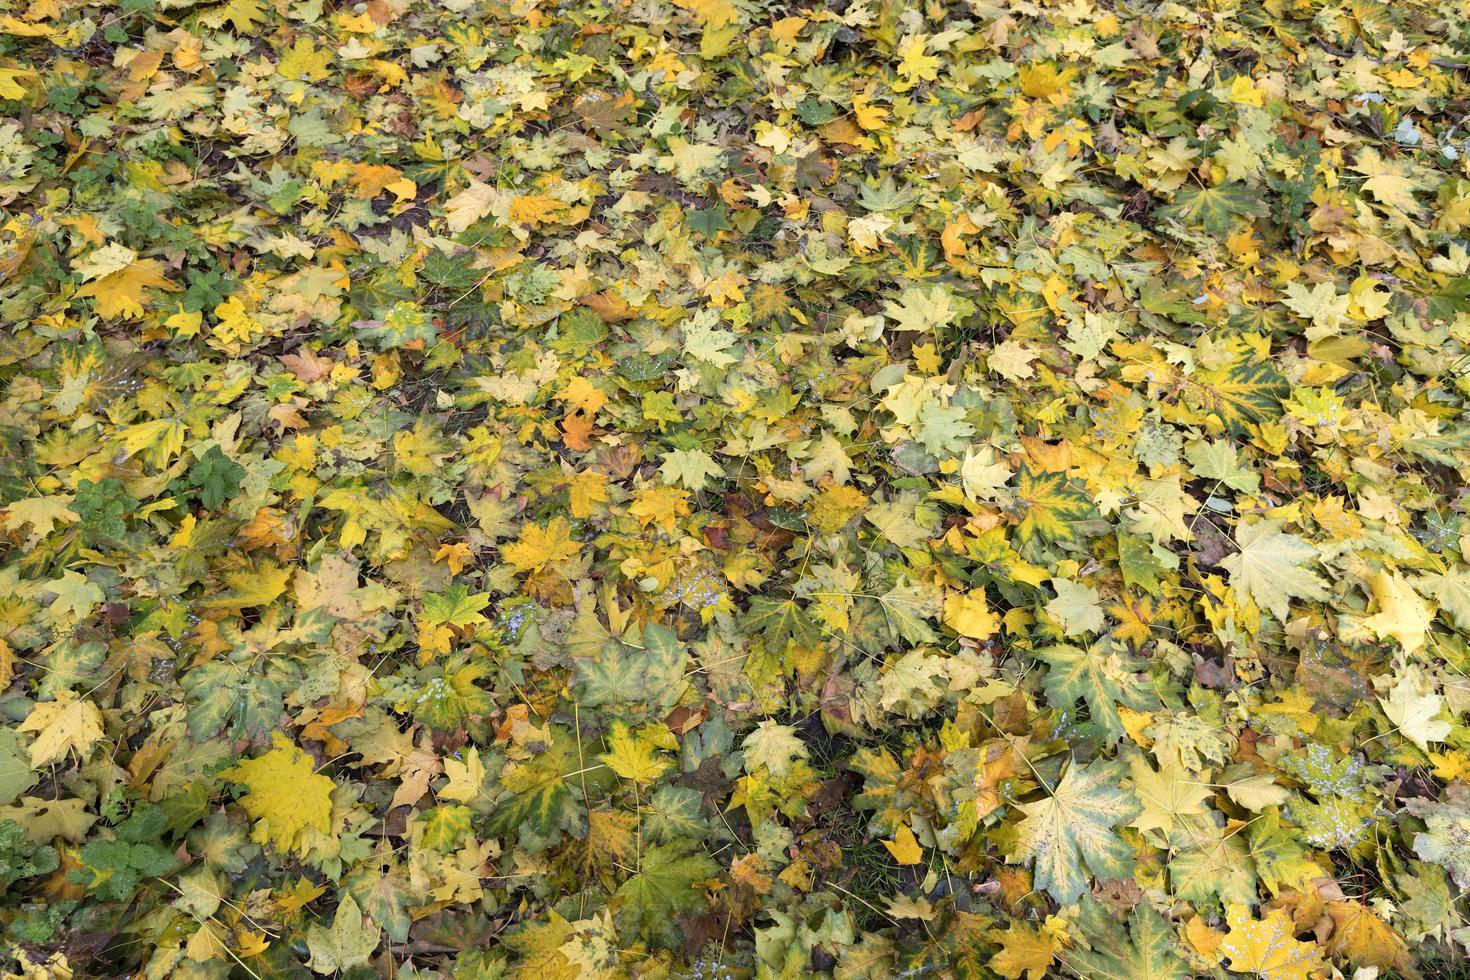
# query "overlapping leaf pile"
(704, 489)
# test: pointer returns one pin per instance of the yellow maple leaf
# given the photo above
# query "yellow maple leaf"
(660, 505)
(434, 640)
(124, 294)
(968, 614)
(1170, 796)
(904, 847)
(1268, 948)
(711, 13)
(1402, 78)
(359, 24)
(465, 778)
(726, 288)
(635, 755)
(538, 547)
(259, 587)
(1360, 935)
(1415, 709)
(1450, 766)
(286, 795)
(66, 724)
(236, 324)
(1044, 81)
(469, 205)
(243, 14)
(1243, 91)
(13, 82)
(104, 261)
(1402, 614)
(248, 944)
(394, 76)
(868, 115)
(19, 28)
(914, 65)
(1206, 941)
(304, 60)
(298, 896)
(534, 209)
(686, 160)
(42, 514)
(185, 323)
(584, 491)
(454, 555)
(997, 764)
(1025, 951)
(583, 395)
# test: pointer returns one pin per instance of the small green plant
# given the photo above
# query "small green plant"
(114, 868)
(102, 508)
(40, 924)
(20, 858)
(215, 478)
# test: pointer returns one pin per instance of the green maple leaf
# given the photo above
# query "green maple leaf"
(445, 826)
(16, 774)
(1215, 209)
(1050, 508)
(918, 259)
(691, 467)
(401, 325)
(1216, 867)
(76, 595)
(450, 699)
(349, 942)
(532, 284)
(886, 197)
(1445, 840)
(709, 222)
(1144, 949)
(909, 607)
(637, 754)
(385, 898)
(1220, 461)
(547, 790)
(1326, 774)
(646, 672)
(779, 621)
(1279, 860)
(577, 331)
(774, 747)
(249, 701)
(674, 812)
(1142, 562)
(1100, 675)
(1452, 589)
(70, 665)
(1077, 607)
(1071, 832)
(883, 789)
(1240, 394)
(455, 606)
(665, 885)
